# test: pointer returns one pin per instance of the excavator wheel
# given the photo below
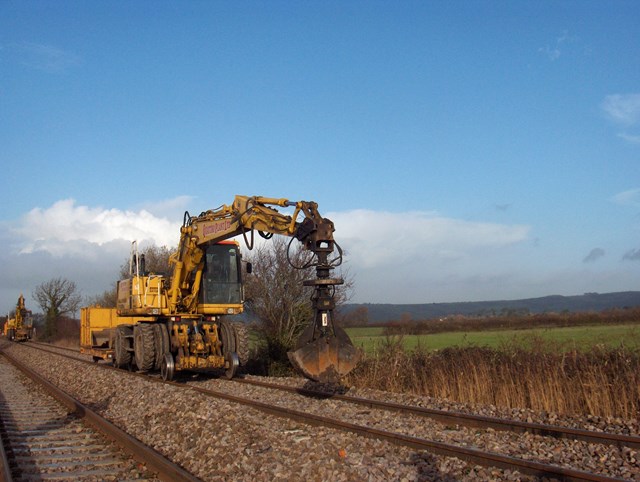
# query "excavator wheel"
(233, 362)
(227, 337)
(242, 341)
(161, 343)
(143, 346)
(122, 346)
(168, 367)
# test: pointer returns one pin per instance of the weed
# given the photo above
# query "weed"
(601, 381)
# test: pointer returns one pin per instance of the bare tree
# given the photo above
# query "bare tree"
(107, 299)
(57, 297)
(276, 296)
(156, 261)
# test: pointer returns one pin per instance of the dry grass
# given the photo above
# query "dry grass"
(601, 381)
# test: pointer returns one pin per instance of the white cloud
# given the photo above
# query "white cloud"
(407, 257)
(554, 51)
(375, 239)
(170, 208)
(47, 58)
(66, 228)
(630, 197)
(622, 108)
(81, 243)
(633, 139)
(89, 244)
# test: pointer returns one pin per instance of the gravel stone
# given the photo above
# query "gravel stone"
(220, 440)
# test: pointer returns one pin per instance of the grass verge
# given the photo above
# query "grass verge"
(600, 381)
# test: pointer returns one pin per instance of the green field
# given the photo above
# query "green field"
(562, 338)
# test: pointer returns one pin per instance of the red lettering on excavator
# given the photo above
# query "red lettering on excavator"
(216, 227)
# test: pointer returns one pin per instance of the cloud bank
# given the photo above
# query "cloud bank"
(89, 244)
(84, 244)
(65, 228)
(383, 239)
(393, 257)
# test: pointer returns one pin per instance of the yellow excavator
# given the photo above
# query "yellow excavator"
(19, 328)
(183, 323)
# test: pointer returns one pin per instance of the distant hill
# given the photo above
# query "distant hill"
(379, 313)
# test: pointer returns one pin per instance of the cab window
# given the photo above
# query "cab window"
(221, 282)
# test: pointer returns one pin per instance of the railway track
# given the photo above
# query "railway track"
(448, 417)
(460, 418)
(47, 435)
(469, 453)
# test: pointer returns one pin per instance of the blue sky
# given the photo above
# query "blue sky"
(465, 150)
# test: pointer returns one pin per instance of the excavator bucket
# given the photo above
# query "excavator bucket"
(324, 358)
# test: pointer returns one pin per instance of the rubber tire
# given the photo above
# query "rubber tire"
(144, 346)
(242, 341)
(227, 337)
(161, 343)
(122, 347)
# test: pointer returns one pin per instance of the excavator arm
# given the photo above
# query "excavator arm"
(245, 216)
(324, 352)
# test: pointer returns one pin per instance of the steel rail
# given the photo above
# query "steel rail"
(470, 455)
(5, 469)
(466, 419)
(165, 468)
(461, 418)
(471, 420)
(476, 456)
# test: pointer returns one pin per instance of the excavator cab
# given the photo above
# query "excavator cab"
(221, 275)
